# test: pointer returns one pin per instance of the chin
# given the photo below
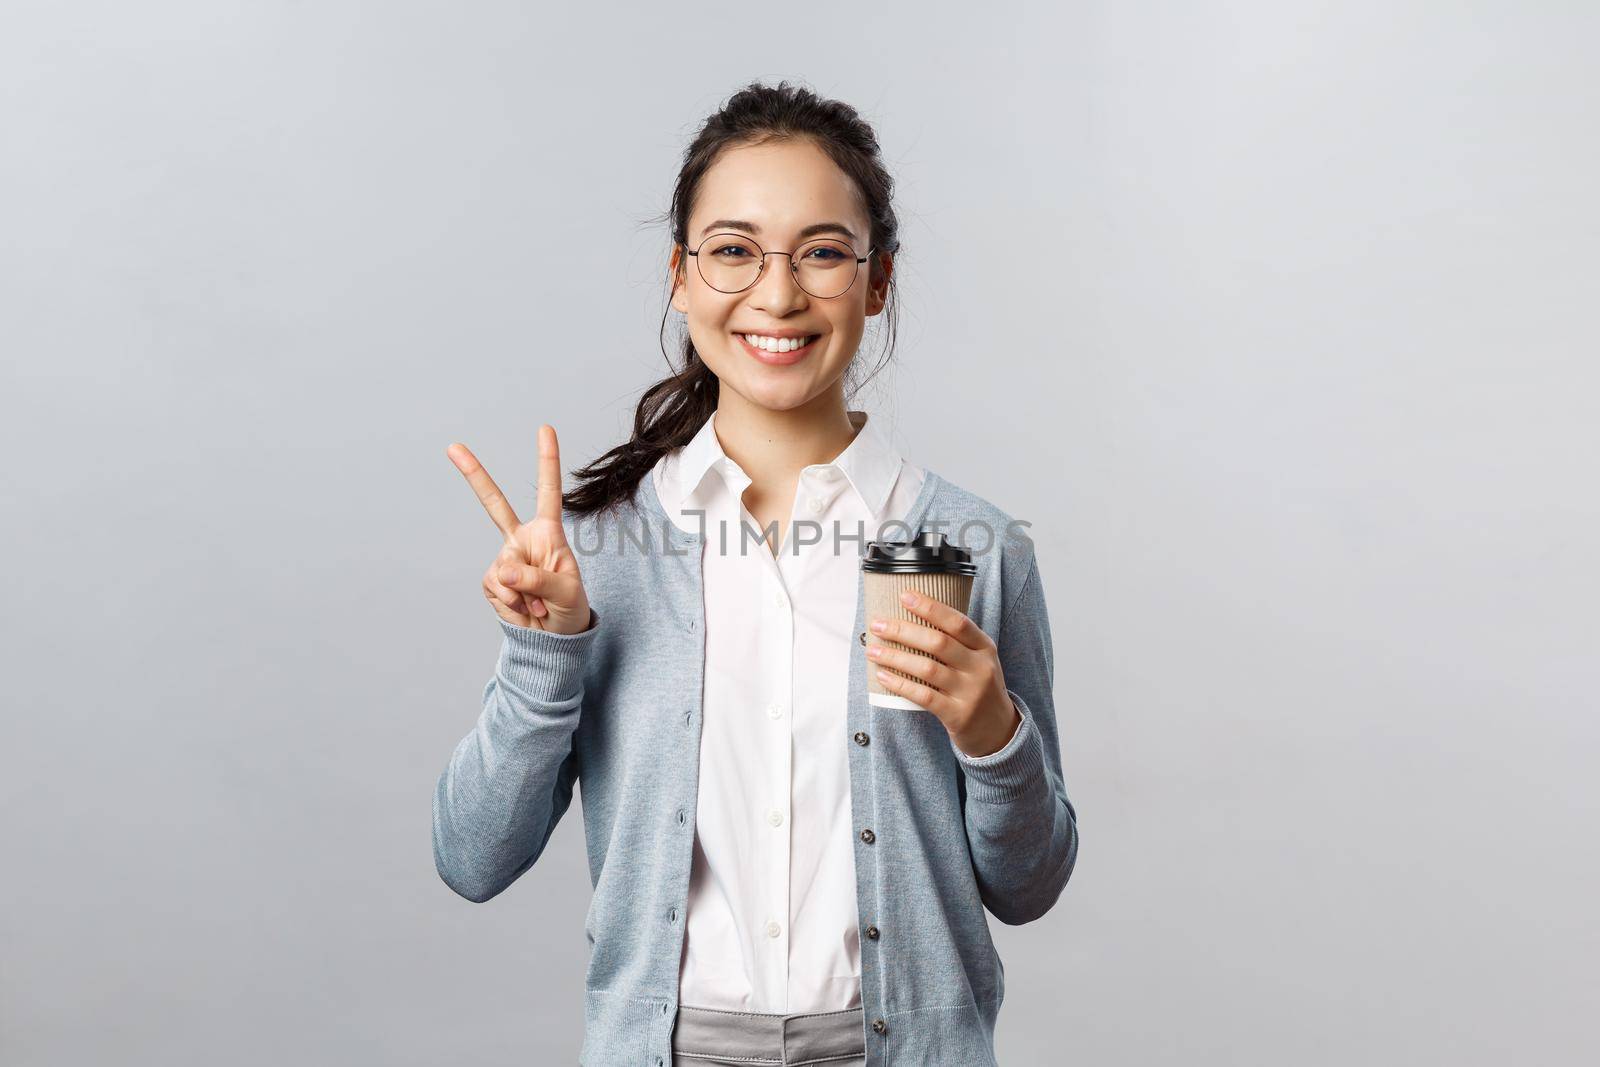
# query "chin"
(774, 395)
(777, 399)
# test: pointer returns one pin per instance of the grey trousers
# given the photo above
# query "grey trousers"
(710, 1037)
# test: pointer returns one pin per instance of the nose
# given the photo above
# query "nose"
(776, 291)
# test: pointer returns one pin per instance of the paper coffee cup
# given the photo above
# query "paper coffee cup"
(928, 565)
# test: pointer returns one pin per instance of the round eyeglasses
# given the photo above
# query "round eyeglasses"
(825, 267)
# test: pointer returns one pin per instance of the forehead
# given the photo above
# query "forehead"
(780, 186)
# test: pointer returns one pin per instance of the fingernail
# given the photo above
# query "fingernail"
(873, 650)
(908, 598)
(878, 626)
(508, 574)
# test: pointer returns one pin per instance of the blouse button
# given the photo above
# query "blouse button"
(868, 836)
(872, 933)
(862, 738)
(879, 1026)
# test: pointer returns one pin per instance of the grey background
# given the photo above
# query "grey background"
(1276, 320)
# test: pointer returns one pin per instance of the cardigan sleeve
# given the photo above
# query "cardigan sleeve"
(1021, 828)
(510, 779)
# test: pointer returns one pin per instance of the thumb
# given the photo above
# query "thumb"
(562, 589)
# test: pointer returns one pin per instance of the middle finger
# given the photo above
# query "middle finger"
(922, 667)
(936, 643)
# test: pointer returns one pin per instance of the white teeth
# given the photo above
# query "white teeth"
(776, 344)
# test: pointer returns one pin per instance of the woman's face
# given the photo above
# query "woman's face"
(771, 192)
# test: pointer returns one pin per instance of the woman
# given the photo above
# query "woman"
(783, 871)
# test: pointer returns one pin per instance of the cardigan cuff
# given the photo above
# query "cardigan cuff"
(1007, 774)
(546, 666)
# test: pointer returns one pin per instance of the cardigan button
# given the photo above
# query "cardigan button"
(862, 738)
(879, 1026)
(872, 933)
(868, 836)
(863, 638)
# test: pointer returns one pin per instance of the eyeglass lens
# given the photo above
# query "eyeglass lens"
(730, 263)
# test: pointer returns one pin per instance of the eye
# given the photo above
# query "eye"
(825, 254)
(730, 252)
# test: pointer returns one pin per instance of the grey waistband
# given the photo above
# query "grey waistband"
(755, 1038)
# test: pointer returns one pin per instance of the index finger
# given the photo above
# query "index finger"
(940, 616)
(489, 494)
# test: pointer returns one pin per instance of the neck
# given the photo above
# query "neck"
(772, 446)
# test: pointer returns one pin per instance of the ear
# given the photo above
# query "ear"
(878, 289)
(680, 294)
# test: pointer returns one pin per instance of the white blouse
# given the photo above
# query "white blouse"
(771, 922)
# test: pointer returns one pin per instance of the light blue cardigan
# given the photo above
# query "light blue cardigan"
(618, 708)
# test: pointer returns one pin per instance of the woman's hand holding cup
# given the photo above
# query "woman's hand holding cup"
(534, 580)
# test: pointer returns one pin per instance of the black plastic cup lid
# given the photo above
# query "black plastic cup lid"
(930, 553)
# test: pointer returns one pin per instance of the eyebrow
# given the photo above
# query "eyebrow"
(751, 228)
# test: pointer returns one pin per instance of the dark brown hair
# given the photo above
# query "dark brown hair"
(673, 410)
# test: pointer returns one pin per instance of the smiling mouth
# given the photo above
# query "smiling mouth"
(778, 350)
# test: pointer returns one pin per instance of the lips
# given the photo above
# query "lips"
(779, 354)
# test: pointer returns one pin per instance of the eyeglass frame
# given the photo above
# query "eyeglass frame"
(794, 270)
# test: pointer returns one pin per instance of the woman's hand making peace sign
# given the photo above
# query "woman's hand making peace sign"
(534, 580)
